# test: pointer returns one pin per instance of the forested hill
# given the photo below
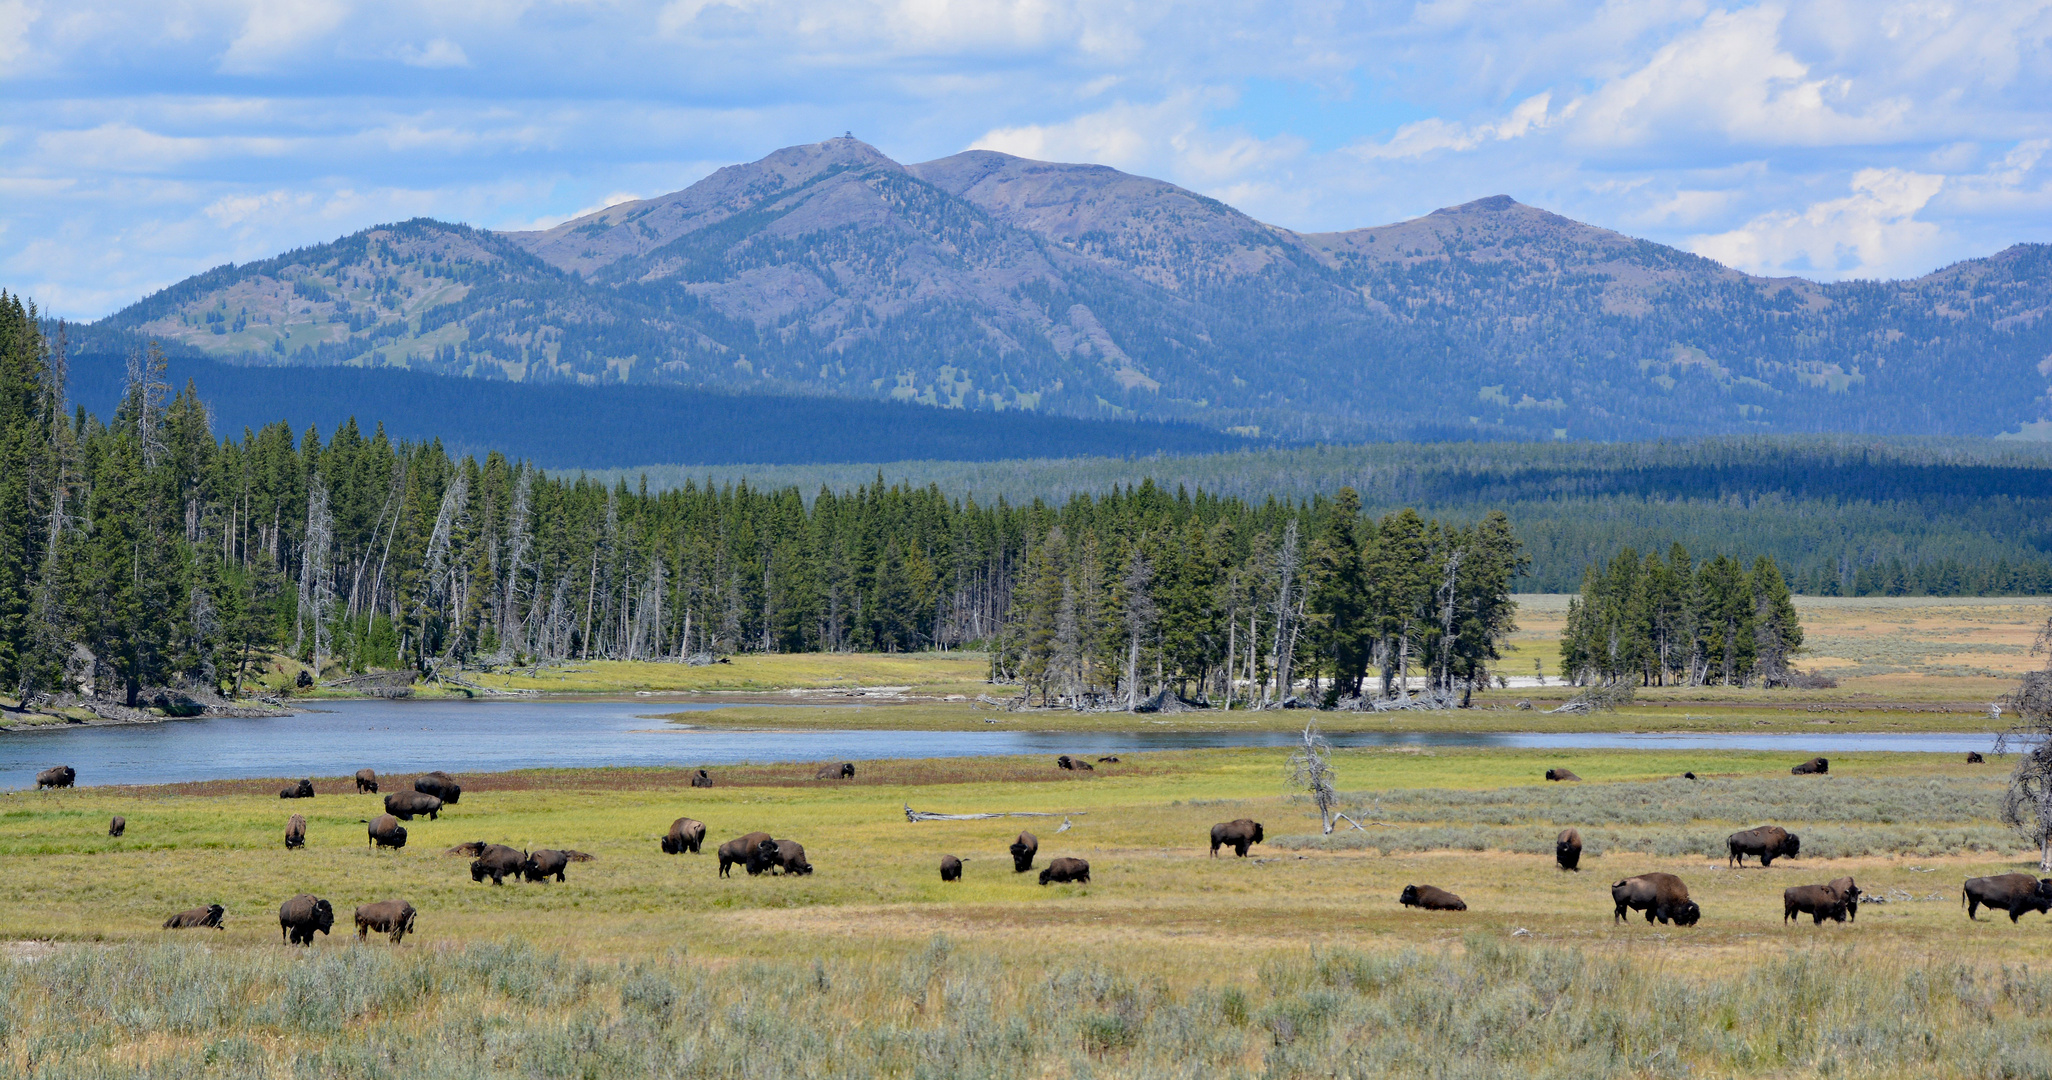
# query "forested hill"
(988, 281)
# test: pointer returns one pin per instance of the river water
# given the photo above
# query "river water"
(338, 737)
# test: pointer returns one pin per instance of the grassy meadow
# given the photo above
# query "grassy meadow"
(1296, 961)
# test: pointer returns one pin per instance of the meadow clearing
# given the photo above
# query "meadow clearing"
(1296, 961)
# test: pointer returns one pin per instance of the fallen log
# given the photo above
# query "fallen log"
(924, 815)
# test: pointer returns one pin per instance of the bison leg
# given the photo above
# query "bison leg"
(1241, 850)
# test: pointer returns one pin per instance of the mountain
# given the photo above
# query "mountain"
(988, 281)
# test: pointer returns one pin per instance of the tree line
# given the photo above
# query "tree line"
(1675, 622)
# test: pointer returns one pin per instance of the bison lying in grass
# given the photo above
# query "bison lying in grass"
(1431, 898)
(195, 918)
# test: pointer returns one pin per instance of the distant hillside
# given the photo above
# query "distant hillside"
(992, 282)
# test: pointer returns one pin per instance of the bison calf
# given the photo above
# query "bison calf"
(1567, 850)
(1239, 834)
(394, 917)
(1431, 898)
(1066, 869)
(1660, 896)
(196, 918)
(951, 868)
(1820, 902)
(300, 916)
(1023, 851)
(686, 834)
(1765, 843)
(2014, 893)
(295, 832)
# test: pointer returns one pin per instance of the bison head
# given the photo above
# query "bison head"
(1046, 875)
(1410, 896)
(324, 916)
(1687, 914)
(1257, 832)
(215, 913)
(477, 871)
(1790, 847)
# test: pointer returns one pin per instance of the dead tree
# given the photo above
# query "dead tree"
(2027, 805)
(1310, 768)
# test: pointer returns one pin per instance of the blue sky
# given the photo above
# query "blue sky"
(143, 142)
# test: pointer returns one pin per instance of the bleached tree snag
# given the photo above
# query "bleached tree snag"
(1310, 767)
(2027, 805)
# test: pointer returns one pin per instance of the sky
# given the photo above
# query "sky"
(144, 142)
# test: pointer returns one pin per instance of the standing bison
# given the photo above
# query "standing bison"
(1816, 766)
(1066, 869)
(405, 804)
(2014, 893)
(742, 850)
(1819, 902)
(702, 779)
(366, 782)
(1852, 896)
(117, 826)
(1766, 843)
(301, 790)
(1561, 774)
(545, 863)
(386, 832)
(844, 771)
(300, 916)
(1023, 851)
(789, 858)
(56, 776)
(1567, 850)
(1431, 898)
(686, 834)
(951, 868)
(1239, 834)
(441, 785)
(393, 917)
(1660, 896)
(197, 918)
(1974, 758)
(498, 862)
(295, 832)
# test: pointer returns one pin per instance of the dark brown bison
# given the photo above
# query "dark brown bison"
(788, 857)
(1239, 834)
(1766, 843)
(1974, 758)
(197, 918)
(366, 782)
(1660, 896)
(498, 862)
(1688, 776)
(741, 850)
(404, 805)
(387, 832)
(951, 868)
(295, 832)
(844, 771)
(1816, 766)
(545, 863)
(56, 776)
(1108, 759)
(1561, 774)
(1819, 902)
(117, 826)
(702, 779)
(1431, 898)
(1852, 896)
(686, 834)
(300, 916)
(1023, 851)
(1066, 869)
(1067, 762)
(1567, 850)
(441, 785)
(2014, 893)
(301, 790)
(394, 917)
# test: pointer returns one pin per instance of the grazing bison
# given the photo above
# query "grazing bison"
(1066, 869)
(951, 868)
(366, 782)
(387, 832)
(703, 779)
(498, 862)
(300, 916)
(1852, 896)
(545, 863)
(1239, 834)
(394, 917)
(295, 832)
(56, 776)
(787, 857)
(1766, 843)
(686, 834)
(1567, 850)
(844, 771)
(1816, 766)
(405, 804)
(301, 790)
(2014, 893)
(117, 826)
(1974, 758)
(441, 785)
(1561, 774)
(1023, 851)
(1819, 902)
(1431, 898)
(1660, 896)
(197, 918)
(742, 850)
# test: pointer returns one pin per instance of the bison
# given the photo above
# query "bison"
(1974, 758)
(1688, 776)
(117, 826)
(1239, 834)
(1023, 851)
(1852, 896)
(56, 776)
(295, 832)
(405, 804)
(441, 785)
(2014, 893)
(844, 771)
(1660, 896)
(951, 868)
(788, 857)
(741, 850)
(1819, 902)
(545, 863)
(301, 790)
(1766, 843)
(1561, 774)
(386, 832)
(1066, 869)
(366, 782)
(1108, 759)
(686, 834)
(1067, 762)
(498, 862)
(1816, 766)
(300, 916)
(394, 917)
(469, 849)
(197, 918)
(702, 779)
(1567, 850)
(1431, 898)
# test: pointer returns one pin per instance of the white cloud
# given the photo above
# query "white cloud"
(1873, 232)
(274, 31)
(16, 18)
(1434, 135)
(439, 53)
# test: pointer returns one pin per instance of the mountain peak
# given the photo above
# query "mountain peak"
(1494, 204)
